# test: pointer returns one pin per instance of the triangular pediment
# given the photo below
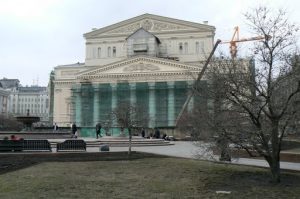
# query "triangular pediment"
(151, 23)
(141, 65)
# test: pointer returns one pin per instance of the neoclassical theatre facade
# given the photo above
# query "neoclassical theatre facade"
(149, 61)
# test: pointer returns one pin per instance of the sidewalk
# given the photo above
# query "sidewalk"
(189, 150)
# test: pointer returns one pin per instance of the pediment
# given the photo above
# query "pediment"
(151, 23)
(139, 66)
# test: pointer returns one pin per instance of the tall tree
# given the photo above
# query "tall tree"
(255, 114)
(250, 108)
(130, 117)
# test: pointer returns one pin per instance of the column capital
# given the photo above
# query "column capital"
(171, 84)
(132, 85)
(113, 86)
(96, 87)
(190, 83)
(151, 85)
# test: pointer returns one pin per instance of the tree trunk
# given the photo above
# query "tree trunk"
(275, 170)
(224, 148)
(274, 160)
(274, 164)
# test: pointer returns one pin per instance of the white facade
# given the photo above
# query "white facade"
(189, 42)
(144, 49)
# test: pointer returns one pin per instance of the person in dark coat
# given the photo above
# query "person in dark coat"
(98, 130)
(74, 129)
(143, 132)
(55, 127)
(157, 133)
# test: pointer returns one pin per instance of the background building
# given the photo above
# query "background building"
(20, 99)
(285, 85)
(3, 100)
(149, 60)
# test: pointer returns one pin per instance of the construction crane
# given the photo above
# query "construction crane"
(236, 39)
(200, 75)
(233, 51)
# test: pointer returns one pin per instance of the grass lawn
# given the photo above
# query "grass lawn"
(145, 178)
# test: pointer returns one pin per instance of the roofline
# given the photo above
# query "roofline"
(78, 64)
(143, 16)
(145, 31)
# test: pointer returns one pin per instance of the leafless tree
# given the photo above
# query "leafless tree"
(106, 124)
(256, 112)
(252, 107)
(130, 117)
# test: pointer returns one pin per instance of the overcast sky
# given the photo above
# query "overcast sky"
(37, 35)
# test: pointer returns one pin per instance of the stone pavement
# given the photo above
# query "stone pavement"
(186, 149)
(190, 150)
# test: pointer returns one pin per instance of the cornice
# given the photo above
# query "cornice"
(64, 82)
(136, 77)
(137, 59)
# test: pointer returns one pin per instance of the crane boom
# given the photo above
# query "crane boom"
(235, 39)
(200, 75)
(245, 39)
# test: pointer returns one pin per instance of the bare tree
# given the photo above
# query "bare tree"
(251, 106)
(106, 124)
(130, 117)
(254, 113)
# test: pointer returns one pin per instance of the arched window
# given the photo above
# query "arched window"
(99, 52)
(114, 53)
(200, 47)
(197, 48)
(180, 48)
(108, 51)
(186, 47)
(94, 53)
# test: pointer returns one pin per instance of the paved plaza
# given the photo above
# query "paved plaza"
(186, 149)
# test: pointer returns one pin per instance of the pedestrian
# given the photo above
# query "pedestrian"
(55, 127)
(74, 130)
(164, 136)
(143, 133)
(157, 133)
(98, 130)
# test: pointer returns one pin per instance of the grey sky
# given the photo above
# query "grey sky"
(37, 35)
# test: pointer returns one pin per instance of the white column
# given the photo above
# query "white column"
(96, 104)
(132, 94)
(152, 105)
(78, 106)
(113, 96)
(132, 87)
(113, 99)
(171, 104)
(191, 102)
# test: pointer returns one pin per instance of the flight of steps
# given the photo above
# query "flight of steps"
(123, 141)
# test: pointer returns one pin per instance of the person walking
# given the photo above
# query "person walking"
(55, 127)
(157, 133)
(143, 133)
(98, 130)
(74, 130)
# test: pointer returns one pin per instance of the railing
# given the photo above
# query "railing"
(24, 145)
(71, 145)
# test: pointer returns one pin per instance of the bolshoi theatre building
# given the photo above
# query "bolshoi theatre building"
(150, 61)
